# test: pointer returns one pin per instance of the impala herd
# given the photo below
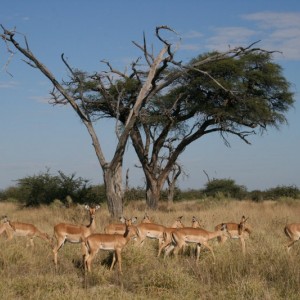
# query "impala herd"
(171, 239)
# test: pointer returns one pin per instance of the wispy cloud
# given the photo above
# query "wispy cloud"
(15, 17)
(192, 34)
(276, 31)
(8, 85)
(229, 37)
(191, 47)
(273, 20)
(41, 99)
(279, 31)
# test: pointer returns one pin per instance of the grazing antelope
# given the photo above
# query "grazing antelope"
(292, 231)
(74, 233)
(167, 235)
(5, 226)
(119, 228)
(26, 230)
(198, 236)
(109, 242)
(236, 231)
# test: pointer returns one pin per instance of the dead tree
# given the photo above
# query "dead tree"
(73, 94)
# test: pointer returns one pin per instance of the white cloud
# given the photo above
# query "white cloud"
(192, 34)
(279, 31)
(191, 47)
(40, 99)
(276, 31)
(272, 20)
(8, 85)
(230, 37)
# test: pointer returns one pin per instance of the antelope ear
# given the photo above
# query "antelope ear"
(86, 206)
(133, 219)
(122, 219)
(97, 206)
(179, 218)
(244, 219)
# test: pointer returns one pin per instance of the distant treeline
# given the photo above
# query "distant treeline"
(46, 188)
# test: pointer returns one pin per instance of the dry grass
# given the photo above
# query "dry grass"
(266, 272)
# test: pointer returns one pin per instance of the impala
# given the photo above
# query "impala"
(119, 228)
(74, 233)
(109, 242)
(293, 232)
(24, 229)
(5, 226)
(236, 231)
(154, 231)
(167, 235)
(198, 236)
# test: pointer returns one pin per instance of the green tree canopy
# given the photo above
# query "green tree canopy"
(241, 94)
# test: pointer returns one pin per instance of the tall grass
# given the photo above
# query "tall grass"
(266, 272)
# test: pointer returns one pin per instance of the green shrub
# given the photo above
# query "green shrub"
(226, 187)
(45, 187)
(290, 191)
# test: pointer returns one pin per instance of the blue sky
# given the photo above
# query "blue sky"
(35, 135)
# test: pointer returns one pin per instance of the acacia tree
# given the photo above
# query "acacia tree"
(241, 92)
(78, 93)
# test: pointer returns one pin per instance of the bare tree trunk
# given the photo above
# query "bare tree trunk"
(114, 191)
(171, 192)
(153, 190)
(112, 172)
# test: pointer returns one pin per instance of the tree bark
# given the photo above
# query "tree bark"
(171, 192)
(152, 196)
(153, 190)
(114, 190)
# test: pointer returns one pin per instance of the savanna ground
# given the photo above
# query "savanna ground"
(266, 272)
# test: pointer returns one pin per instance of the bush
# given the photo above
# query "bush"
(256, 195)
(134, 194)
(226, 187)
(45, 187)
(282, 191)
(12, 192)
